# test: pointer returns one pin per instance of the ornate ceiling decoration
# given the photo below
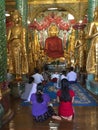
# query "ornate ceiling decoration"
(78, 8)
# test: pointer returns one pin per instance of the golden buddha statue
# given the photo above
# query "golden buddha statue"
(16, 39)
(92, 59)
(71, 44)
(80, 49)
(30, 53)
(53, 30)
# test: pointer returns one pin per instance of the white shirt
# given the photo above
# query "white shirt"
(71, 76)
(33, 90)
(38, 78)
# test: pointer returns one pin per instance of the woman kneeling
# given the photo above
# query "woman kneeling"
(40, 106)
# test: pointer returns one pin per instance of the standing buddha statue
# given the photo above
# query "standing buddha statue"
(71, 47)
(92, 59)
(71, 43)
(80, 49)
(16, 38)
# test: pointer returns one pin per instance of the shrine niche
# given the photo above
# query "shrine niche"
(52, 30)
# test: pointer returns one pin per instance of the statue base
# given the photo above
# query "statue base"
(17, 87)
(91, 84)
(94, 87)
(6, 113)
(82, 78)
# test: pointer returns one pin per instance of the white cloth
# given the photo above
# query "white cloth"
(9, 77)
(33, 90)
(63, 77)
(38, 78)
(55, 76)
(28, 88)
(71, 76)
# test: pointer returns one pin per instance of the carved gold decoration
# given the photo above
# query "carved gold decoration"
(53, 1)
(37, 6)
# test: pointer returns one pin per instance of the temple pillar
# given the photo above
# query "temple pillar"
(22, 6)
(96, 2)
(91, 8)
(5, 109)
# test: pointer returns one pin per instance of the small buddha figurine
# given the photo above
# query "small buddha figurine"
(53, 44)
(16, 38)
(92, 59)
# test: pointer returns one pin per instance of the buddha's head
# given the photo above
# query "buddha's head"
(96, 13)
(53, 30)
(16, 17)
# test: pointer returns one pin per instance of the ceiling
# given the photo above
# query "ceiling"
(78, 8)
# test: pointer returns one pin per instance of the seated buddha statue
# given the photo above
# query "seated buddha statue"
(92, 59)
(53, 44)
(16, 39)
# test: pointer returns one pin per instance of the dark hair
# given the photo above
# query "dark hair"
(31, 79)
(64, 72)
(65, 95)
(71, 68)
(36, 70)
(39, 95)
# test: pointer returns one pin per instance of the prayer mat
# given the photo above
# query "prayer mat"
(82, 96)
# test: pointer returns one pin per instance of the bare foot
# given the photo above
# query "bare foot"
(56, 118)
(70, 118)
(64, 117)
(67, 118)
